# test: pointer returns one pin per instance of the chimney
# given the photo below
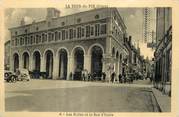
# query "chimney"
(52, 13)
(22, 22)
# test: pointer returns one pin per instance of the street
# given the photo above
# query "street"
(79, 96)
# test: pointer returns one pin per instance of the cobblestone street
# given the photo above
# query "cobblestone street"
(79, 96)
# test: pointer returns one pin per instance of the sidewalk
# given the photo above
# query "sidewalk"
(164, 101)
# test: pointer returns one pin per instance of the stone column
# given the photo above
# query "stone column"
(55, 67)
(87, 62)
(70, 68)
(11, 62)
(42, 64)
(51, 61)
(61, 66)
(20, 62)
(30, 63)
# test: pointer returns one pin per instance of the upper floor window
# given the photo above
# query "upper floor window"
(97, 26)
(66, 34)
(26, 40)
(25, 30)
(74, 33)
(21, 40)
(79, 32)
(12, 43)
(49, 24)
(82, 32)
(103, 29)
(63, 34)
(56, 36)
(37, 28)
(87, 31)
(78, 20)
(71, 34)
(37, 39)
(63, 23)
(31, 39)
(16, 33)
(59, 35)
(92, 30)
(50, 36)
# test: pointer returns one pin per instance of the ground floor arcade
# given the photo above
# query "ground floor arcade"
(67, 65)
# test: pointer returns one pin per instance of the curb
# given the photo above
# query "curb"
(163, 101)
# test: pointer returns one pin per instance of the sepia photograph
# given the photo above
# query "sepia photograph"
(107, 59)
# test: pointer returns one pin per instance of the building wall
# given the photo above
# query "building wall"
(163, 51)
(67, 32)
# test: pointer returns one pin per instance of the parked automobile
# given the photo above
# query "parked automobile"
(10, 76)
(23, 74)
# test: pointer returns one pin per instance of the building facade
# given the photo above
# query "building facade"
(163, 52)
(63, 46)
(7, 55)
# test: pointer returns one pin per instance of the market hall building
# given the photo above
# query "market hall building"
(64, 45)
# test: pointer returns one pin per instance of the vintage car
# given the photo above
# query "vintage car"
(22, 74)
(10, 76)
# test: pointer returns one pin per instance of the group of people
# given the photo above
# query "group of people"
(121, 78)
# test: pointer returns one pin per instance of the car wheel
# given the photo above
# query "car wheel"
(13, 79)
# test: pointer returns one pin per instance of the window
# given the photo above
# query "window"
(16, 42)
(31, 39)
(87, 31)
(74, 33)
(78, 20)
(82, 32)
(63, 23)
(40, 39)
(71, 34)
(25, 30)
(56, 36)
(92, 30)
(21, 41)
(49, 37)
(37, 28)
(63, 34)
(12, 42)
(43, 37)
(49, 24)
(97, 29)
(16, 33)
(66, 34)
(52, 38)
(26, 40)
(103, 29)
(79, 32)
(59, 35)
(37, 39)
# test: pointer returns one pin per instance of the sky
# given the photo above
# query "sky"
(133, 18)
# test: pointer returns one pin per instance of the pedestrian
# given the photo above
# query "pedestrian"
(89, 76)
(112, 77)
(120, 78)
(104, 76)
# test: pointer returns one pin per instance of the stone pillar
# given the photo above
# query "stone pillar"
(31, 63)
(20, 62)
(61, 66)
(11, 62)
(70, 68)
(51, 61)
(42, 64)
(87, 62)
(55, 67)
